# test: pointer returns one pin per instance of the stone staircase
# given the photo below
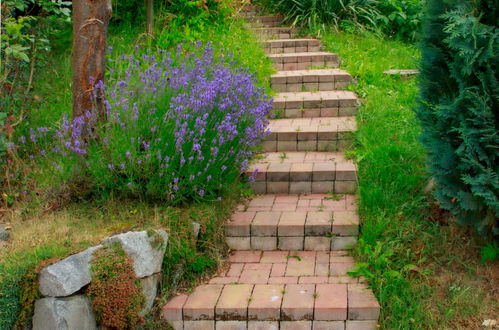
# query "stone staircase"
(288, 268)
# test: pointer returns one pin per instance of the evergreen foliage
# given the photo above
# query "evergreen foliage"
(459, 109)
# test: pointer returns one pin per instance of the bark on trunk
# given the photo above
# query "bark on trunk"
(90, 25)
(150, 16)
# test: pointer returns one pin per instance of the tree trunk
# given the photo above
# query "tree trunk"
(150, 16)
(90, 24)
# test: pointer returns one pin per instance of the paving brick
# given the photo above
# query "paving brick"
(345, 187)
(324, 171)
(291, 243)
(231, 325)
(341, 268)
(274, 257)
(296, 325)
(319, 223)
(258, 187)
(238, 243)
(200, 305)
(343, 280)
(278, 187)
(300, 187)
(321, 269)
(299, 266)
(301, 172)
(298, 302)
(172, 311)
(346, 223)
(362, 305)
(258, 266)
(278, 270)
(265, 224)
(346, 171)
(283, 280)
(263, 325)
(235, 270)
(330, 302)
(233, 302)
(239, 224)
(313, 279)
(266, 302)
(177, 325)
(254, 276)
(328, 325)
(361, 325)
(322, 187)
(317, 243)
(342, 243)
(199, 325)
(291, 224)
(224, 280)
(245, 256)
(264, 243)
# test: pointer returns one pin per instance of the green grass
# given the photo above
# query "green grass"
(424, 275)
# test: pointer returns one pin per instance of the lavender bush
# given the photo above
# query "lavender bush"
(180, 126)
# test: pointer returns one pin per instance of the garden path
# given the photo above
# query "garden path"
(288, 268)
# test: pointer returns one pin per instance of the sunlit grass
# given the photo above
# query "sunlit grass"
(424, 275)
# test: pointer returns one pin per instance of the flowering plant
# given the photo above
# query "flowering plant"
(179, 126)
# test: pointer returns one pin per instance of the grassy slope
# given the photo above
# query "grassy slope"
(40, 232)
(425, 275)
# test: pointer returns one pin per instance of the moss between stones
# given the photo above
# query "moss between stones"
(115, 292)
(29, 293)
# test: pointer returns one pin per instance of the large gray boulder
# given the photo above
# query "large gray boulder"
(149, 290)
(64, 314)
(146, 248)
(68, 275)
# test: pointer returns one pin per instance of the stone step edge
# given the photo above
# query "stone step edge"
(275, 325)
(293, 302)
(293, 224)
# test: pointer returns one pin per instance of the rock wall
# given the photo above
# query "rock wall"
(65, 306)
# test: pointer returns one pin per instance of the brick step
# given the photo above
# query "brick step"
(310, 134)
(299, 172)
(265, 21)
(280, 32)
(317, 222)
(277, 287)
(310, 80)
(275, 325)
(304, 61)
(315, 104)
(280, 46)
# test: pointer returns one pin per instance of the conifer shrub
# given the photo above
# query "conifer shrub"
(459, 109)
(115, 291)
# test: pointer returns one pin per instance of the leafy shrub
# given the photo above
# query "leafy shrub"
(179, 126)
(28, 29)
(183, 21)
(397, 18)
(115, 291)
(458, 108)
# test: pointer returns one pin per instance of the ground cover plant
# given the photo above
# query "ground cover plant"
(458, 108)
(426, 271)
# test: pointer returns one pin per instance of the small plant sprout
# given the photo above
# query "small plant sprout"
(294, 257)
